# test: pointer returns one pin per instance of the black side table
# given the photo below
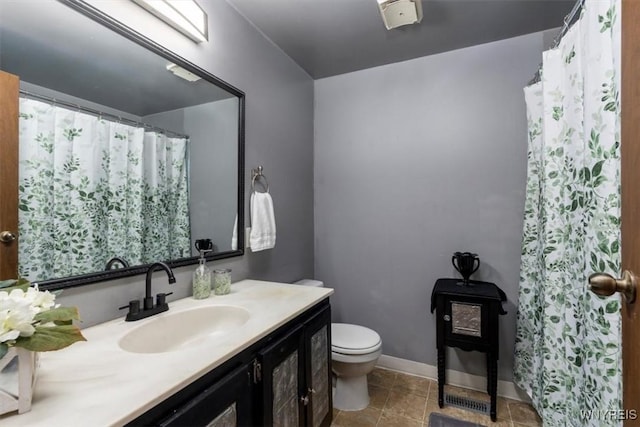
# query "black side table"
(467, 318)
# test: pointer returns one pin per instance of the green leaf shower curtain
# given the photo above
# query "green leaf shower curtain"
(91, 189)
(567, 352)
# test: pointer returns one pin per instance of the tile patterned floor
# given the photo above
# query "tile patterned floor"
(401, 400)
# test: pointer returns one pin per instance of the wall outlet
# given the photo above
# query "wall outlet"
(247, 233)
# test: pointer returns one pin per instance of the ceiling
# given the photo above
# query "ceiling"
(329, 37)
(39, 42)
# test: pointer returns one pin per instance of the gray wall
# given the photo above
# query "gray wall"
(172, 120)
(414, 161)
(213, 167)
(279, 136)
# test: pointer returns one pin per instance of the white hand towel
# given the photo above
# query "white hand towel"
(234, 235)
(263, 222)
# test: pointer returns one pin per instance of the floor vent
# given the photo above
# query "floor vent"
(466, 403)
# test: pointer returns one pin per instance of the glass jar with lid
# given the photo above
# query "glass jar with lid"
(222, 281)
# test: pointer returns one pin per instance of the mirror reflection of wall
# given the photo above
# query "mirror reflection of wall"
(151, 168)
(213, 198)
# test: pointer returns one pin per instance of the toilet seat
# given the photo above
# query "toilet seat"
(354, 339)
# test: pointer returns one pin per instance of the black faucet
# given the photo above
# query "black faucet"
(116, 259)
(148, 309)
(148, 299)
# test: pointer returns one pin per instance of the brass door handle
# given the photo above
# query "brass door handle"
(7, 236)
(605, 285)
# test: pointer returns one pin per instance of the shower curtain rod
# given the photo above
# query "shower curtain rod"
(101, 114)
(567, 22)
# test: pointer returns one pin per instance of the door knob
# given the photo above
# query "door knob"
(7, 236)
(605, 285)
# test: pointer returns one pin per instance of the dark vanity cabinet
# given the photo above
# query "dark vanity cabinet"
(282, 366)
(226, 403)
(296, 375)
(319, 410)
(282, 380)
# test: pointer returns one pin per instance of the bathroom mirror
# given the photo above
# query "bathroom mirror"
(126, 149)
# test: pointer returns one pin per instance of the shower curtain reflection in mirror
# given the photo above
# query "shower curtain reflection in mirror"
(91, 189)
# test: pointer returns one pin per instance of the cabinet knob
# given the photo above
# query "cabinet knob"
(305, 400)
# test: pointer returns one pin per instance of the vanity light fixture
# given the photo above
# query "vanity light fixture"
(185, 16)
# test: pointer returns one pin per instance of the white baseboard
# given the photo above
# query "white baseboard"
(461, 379)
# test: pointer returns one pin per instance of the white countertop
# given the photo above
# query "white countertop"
(95, 383)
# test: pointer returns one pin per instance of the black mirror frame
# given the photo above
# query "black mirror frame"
(125, 31)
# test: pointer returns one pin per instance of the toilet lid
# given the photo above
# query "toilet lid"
(353, 339)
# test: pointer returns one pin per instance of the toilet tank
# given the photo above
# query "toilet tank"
(310, 282)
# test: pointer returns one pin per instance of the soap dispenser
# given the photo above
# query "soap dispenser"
(202, 278)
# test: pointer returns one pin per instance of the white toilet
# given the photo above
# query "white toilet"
(354, 353)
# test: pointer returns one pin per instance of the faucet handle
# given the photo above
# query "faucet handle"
(133, 306)
(161, 298)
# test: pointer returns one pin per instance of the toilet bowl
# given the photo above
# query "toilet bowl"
(354, 352)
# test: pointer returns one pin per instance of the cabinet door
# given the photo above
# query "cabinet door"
(318, 369)
(227, 403)
(283, 380)
(467, 322)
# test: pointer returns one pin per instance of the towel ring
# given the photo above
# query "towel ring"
(256, 174)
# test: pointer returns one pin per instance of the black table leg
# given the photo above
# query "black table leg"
(441, 376)
(493, 378)
(488, 373)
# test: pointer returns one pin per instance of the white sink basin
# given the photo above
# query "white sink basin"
(173, 331)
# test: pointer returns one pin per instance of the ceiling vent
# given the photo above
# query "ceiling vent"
(396, 13)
